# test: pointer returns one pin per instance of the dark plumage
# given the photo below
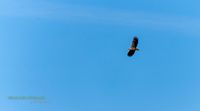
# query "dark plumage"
(133, 47)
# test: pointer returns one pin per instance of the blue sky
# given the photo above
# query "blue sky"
(74, 53)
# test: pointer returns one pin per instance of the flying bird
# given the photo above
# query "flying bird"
(133, 47)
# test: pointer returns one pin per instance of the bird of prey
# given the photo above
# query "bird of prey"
(133, 47)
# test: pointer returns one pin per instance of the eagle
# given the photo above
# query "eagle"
(133, 47)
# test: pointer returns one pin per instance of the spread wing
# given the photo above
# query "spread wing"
(131, 52)
(134, 42)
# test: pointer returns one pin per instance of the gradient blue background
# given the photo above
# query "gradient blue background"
(74, 53)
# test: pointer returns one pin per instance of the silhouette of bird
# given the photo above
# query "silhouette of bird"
(133, 47)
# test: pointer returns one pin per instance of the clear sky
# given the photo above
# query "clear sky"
(74, 53)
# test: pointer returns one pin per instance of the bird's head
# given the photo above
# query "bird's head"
(136, 49)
